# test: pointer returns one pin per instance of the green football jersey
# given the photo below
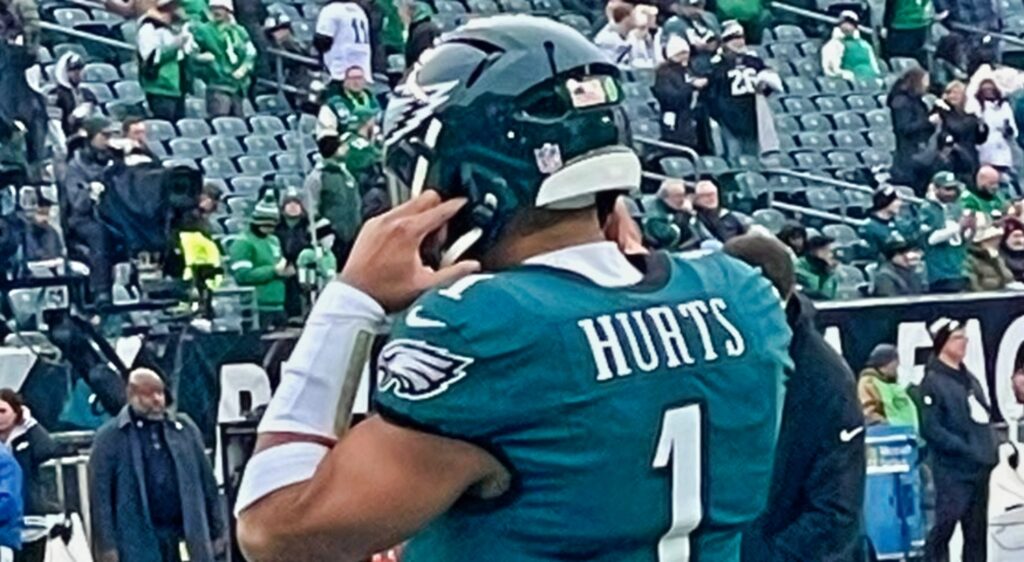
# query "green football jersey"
(638, 423)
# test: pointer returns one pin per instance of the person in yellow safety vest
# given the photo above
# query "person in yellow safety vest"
(199, 252)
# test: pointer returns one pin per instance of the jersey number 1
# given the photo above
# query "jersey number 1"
(679, 448)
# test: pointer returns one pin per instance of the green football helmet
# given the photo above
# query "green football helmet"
(511, 112)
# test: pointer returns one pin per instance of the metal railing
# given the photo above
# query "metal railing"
(838, 183)
(815, 16)
(684, 150)
(807, 211)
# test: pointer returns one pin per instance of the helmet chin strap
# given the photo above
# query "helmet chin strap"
(461, 245)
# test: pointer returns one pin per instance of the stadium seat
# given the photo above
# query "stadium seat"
(714, 166)
(287, 9)
(1010, 7)
(289, 181)
(815, 123)
(267, 125)
(902, 64)
(869, 85)
(179, 162)
(261, 145)
(882, 140)
(234, 225)
(159, 130)
(849, 140)
(230, 126)
(218, 168)
(100, 90)
(798, 86)
(833, 86)
(829, 104)
(810, 160)
(844, 234)
(194, 128)
(515, 6)
(785, 184)
(272, 103)
(861, 102)
(751, 184)
(785, 51)
(636, 91)
(814, 141)
(824, 198)
(483, 7)
(448, 22)
(577, 22)
(776, 160)
(811, 48)
(246, 185)
(64, 48)
(255, 165)
(224, 146)
(849, 121)
(548, 6)
(843, 159)
(788, 143)
(746, 162)
(809, 66)
(857, 202)
(187, 148)
(449, 7)
(129, 91)
(288, 163)
(238, 205)
(873, 158)
(100, 72)
(880, 119)
(772, 219)
(787, 125)
(678, 167)
(157, 148)
(70, 17)
(787, 34)
(850, 277)
(798, 106)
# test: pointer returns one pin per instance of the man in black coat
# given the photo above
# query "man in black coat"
(150, 484)
(676, 88)
(955, 416)
(817, 492)
(897, 274)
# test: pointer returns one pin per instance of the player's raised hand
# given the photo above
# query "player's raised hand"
(385, 262)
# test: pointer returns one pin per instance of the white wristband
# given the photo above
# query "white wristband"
(277, 467)
(325, 366)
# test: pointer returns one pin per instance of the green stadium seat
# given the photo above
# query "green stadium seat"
(746, 162)
(786, 51)
(195, 107)
(129, 90)
(879, 119)
(515, 6)
(448, 22)
(179, 163)
(288, 164)
(798, 106)
(577, 22)
(230, 126)
(869, 85)
(772, 219)
(100, 72)
(798, 86)
(261, 145)
(224, 146)
(645, 128)
(809, 66)
(267, 125)
(833, 86)
(449, 7)
(678, 167)
(776, 160)
(787, 34)
(882, 140)
(751, 185)
(787, 125)
(218, 168)
(857, 202)
(194, 128)
(849, 121)
(873, 158)
(70, 17)
(815, 123)
(64, 48)
(829, 104)
(1010, 7)
(272, 103)
(810, 160)
(100, 90)
(861, 102)
(824, 198)
(255, 165)
(246, 185)
(849, 140)
(788, 143)
(811, 48)
(814, 141)
(548, 6)
(785, 184)
(902, 64)
(843, 159)
(159, 130)
(483, 7)
(187, 148)
(713, 166)
(157, 148)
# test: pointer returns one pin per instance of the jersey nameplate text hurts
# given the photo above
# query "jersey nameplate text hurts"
(682, 334)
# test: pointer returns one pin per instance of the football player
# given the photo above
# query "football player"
(561, 404)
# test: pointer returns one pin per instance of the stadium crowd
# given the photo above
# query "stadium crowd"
(904, 125)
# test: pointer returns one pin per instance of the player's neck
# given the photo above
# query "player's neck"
(514, 250)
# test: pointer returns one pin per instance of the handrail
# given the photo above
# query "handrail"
(87, 4)
(1011, 39)
(308, 61)
(816, 16)
(687, 151)
(837, 183)
(816, 213)
(49, 26)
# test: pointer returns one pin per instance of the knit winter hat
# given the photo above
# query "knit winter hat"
(1010, 226)
(322, 229)
(946, 180)
(676, 45)
(732, 30)
(940, 331)
(228, 5)
(883, 354)
(275, 22)
(883, 197)
(97, 125)
(849, 16)
(266, 211)
(895, 246)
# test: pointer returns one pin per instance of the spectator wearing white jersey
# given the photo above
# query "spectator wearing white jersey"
(343, 38)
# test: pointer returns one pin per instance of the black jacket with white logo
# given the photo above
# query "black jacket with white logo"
(817, 492)
(955, 422)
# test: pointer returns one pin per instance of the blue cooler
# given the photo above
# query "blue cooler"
(893, 517)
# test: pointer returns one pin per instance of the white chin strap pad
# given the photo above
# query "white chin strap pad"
(576, 185)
